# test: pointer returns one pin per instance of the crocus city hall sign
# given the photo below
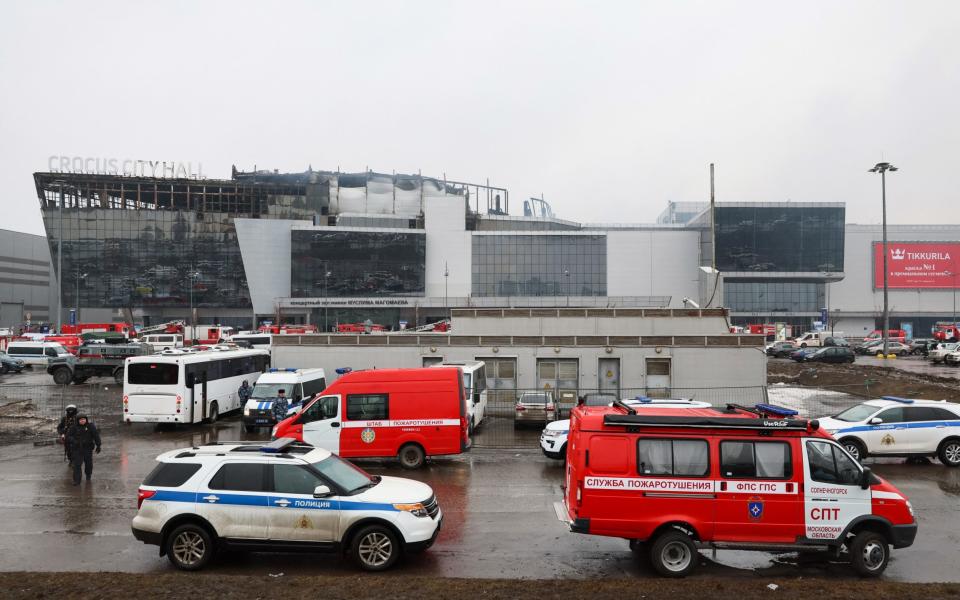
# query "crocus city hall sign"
(126, 167)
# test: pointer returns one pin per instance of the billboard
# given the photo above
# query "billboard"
(916, 265)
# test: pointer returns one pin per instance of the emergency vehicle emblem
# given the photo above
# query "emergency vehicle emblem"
(368, 435)
(887, 440)
(755, 509)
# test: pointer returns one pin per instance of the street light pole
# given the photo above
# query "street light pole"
(77, 298)
(446, 287)
(882, 168)
(953, 286)
(566, 285)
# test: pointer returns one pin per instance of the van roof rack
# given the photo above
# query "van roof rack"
(624, 407)
(711, 422)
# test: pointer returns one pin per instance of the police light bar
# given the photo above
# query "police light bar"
(773, 409)
(291, 369)
(273, 370)
(897, 399)
(343, 370)
(711, 422)
(277, 446)
(643, 399)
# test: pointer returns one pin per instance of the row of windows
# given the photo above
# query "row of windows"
(738, 459)
(539, 265)
(774, 296)
(241, 477)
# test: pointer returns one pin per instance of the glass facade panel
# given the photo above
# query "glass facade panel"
(347, 264)
(780, 238)
(539, 265)
(774, 296)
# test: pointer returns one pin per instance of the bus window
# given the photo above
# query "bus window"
(153, 374)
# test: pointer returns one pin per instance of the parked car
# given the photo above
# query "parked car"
(8, 363)
(836, 341)
(868, 347)
(538, 408)
(801, 354)
(921, 346)
(893, 426)
(781, 349)
(893, 347)
(830, 354)
(952, 358)
(938, 354)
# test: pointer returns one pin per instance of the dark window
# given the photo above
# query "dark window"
(357, 263)
(324, 408)
(892, 415)
(50, 352)
(755, 460)
(367, 407)
(942, 414)
(830, 464)
(295, 479)
(240, 477)
(153, 374)
(687, 458)
(171, 474)
(24, 350)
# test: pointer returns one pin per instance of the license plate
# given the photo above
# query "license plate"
(151, 419)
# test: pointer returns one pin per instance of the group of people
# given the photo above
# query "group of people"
(280, 403)
(80, 439)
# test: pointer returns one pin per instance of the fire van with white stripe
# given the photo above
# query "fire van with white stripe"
(675, 481)
(408, 414)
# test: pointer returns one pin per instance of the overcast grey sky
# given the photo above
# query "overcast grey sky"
(609, 109)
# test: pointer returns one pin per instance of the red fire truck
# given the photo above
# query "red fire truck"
(673, 481)
(80, 328)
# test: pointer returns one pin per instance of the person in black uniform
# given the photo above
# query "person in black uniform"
(68, 421)
(84, 440)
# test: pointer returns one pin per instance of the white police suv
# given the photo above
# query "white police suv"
(553, 440)
(280, 497)
(893, 426)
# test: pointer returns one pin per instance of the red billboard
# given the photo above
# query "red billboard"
(915, 265)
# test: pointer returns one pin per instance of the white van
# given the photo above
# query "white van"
(298, 385)
(475, 386)
(164, 341)
(36, 353)
(256, 340)
(814, 339)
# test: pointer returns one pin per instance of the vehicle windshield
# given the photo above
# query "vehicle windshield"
(268, 391)
(348, 476)
(857, 413)
(153, 374)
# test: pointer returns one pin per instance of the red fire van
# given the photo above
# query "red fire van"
(672, 481)
(409, 414)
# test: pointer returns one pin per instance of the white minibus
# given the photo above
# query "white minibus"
(188, 386)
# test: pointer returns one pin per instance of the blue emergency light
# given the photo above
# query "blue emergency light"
(277, 446)
(643, 399)
(343, 370)
(897, 399)
(772, 409)
(273, 370)
(291, 369)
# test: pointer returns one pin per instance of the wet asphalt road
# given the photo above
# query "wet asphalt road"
(913, 364)
(499, 518)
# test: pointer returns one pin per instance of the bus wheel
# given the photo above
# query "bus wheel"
(213, 413)
(411, 456)
(673, 554)
(869, 554)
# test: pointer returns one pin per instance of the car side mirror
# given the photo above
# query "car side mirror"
(322, 491)
(876, 421)
(866, 476)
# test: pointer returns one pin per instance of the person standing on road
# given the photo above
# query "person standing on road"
(84, 441)
(66, 422)
(280, 405)
(244, 393)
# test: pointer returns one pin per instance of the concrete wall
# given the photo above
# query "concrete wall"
(519, 322)
(448, 244)
(27, 281)
(854, 296)
(653, 263)
(700, 367)
(265, 248)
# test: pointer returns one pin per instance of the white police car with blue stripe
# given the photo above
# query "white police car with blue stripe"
(280, 497)
(893, 426)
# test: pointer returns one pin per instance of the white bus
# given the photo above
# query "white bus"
(187, 386)
(255, 339)
(475, 386)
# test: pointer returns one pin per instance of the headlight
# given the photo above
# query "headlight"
(416, 509)
(246, 412)
(552, 433)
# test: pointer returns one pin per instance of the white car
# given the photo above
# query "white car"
(894, 426)
(952, 358)
(553, 440)
(280, 497)
(938, 354)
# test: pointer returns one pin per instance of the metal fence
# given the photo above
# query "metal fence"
(33, 411)
(506, 427)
